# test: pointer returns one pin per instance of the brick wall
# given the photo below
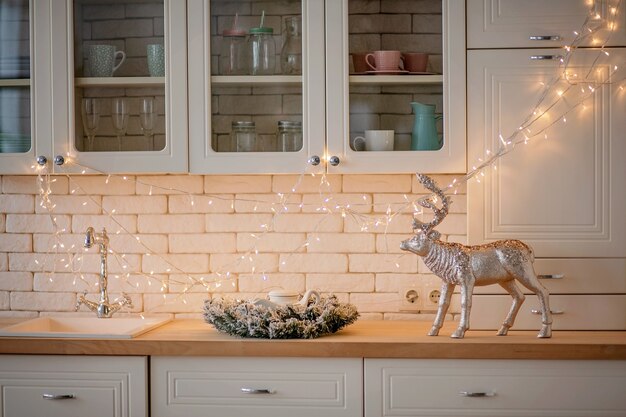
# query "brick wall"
(366, 268)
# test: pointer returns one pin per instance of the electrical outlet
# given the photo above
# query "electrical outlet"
(410, 300)
(434, 296)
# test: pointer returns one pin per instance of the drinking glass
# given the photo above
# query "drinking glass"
(90, 114)
(147, 118)
(119, 115)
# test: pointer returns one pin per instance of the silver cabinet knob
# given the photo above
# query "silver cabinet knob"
(334, 160)
(550, 276)
(314, 160)
(477, 394)
(545, 38)
(58, 396)
(262, 391)
(545, 57)
(42, 160)
(59, 160)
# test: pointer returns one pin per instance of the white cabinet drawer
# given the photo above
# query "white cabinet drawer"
(412, 387)
(79, 386)
(575, 276)
(239, 387)
(579, 312)
(511, 23)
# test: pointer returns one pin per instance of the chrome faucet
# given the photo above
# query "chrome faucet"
(103, 308)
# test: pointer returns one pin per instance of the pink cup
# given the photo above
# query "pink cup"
(384, 60)
(415, 61)
(358, 62)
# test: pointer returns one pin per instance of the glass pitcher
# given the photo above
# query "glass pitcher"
(291, 53)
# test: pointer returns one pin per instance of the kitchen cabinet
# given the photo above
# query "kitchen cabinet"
(399, 387)
(557, 192)
(73, 386)
(200, 386)
(333, 104)
(59, 37)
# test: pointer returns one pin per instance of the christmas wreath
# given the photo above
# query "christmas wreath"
(258, 320)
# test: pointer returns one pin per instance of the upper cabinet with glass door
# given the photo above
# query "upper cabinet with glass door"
(128, 94)
(396, 86)
(256, 85)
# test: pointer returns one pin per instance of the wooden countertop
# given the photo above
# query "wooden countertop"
(371, 339)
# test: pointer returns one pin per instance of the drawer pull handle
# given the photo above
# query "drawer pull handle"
(58, 396)
(545, 38)
(257, 391)
(473, 394)
(545, 57)
(550, 276)
(534, 311)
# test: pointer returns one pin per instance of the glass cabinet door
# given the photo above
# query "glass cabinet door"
(401, 67)
(257, 98)
(128, 91)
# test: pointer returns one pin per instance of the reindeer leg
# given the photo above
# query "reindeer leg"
(530, 281)
(518, 299)
(467, 288)
(444, 303)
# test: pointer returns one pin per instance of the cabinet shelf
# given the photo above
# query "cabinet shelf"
(250, 80)
(396, 79)
(15, 82)
(120, 81)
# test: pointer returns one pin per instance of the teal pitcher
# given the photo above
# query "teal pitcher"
(424, 136)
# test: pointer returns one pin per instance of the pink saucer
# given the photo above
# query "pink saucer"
(388, 72)
(422, 73)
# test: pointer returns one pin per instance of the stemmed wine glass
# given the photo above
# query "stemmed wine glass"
(119, 115)
(90, 114)
(147, 118)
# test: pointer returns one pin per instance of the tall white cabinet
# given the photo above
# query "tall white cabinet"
(561, 192)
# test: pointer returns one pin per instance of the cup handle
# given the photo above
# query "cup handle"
(121, 60)
(311, 294)
(401, 63)
(359, 143)
(367, 61)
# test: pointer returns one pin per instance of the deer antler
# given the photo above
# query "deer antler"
(440, 213)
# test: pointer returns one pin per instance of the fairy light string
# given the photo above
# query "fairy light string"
(560, 97)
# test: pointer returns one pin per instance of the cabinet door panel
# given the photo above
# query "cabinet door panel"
(559, 192)
(511, 23)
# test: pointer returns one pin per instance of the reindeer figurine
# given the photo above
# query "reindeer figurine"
(501, 262)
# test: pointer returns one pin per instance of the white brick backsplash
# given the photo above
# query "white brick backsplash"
(217, 184)
(306, 184)
(170, 223)
(124, 223)
(146, 243)
(4, 300)
(265, 283)
(222, 203)
(395, 203)
(252, 263)
(332, 283)
(238, 222)
(65, 282)
(36, 223)
(3, 223)
(375, 302)
(12, 242)
(377, 183)
(271, 242)
(371, 316)
(203, 243)
(443, 181)
(16, 281)
(71, 204)
(390, 243)
(402, 223)
(43, 301)
(17, 203)
(200, 283)
(415, 317)
(381, 23)
(410, 6)
(267, 203)
(390, 282)
(155, 204)
(169, 184)
(196, 263)
(174, 303)
(341, 243)
(308, 223)
(382, 263)
(358, 203)
(19, 314)
(29, 184)
(4, 261)
(313, 262)
(102, 185)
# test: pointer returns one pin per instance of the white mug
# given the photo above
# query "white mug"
(375, 140)
(283, 297)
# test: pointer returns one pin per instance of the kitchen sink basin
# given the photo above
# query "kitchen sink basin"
(87, 327)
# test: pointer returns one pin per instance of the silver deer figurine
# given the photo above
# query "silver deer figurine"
(501, 262)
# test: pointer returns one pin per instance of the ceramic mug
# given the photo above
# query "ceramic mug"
(283, 297)
(384, 60)
(375, 140)
(358, 62)
(101, 60)
(155, 54)
(415, 61)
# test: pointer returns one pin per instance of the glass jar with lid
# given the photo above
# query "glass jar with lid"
(243, 136)
(261, 51)
(233, 54)
(289, 136)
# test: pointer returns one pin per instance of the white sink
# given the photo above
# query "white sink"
(89, 327)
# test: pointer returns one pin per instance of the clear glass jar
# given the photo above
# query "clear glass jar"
(233, 54)
(289, 136)
(291, 53)
(261, 51)
(243, 136)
